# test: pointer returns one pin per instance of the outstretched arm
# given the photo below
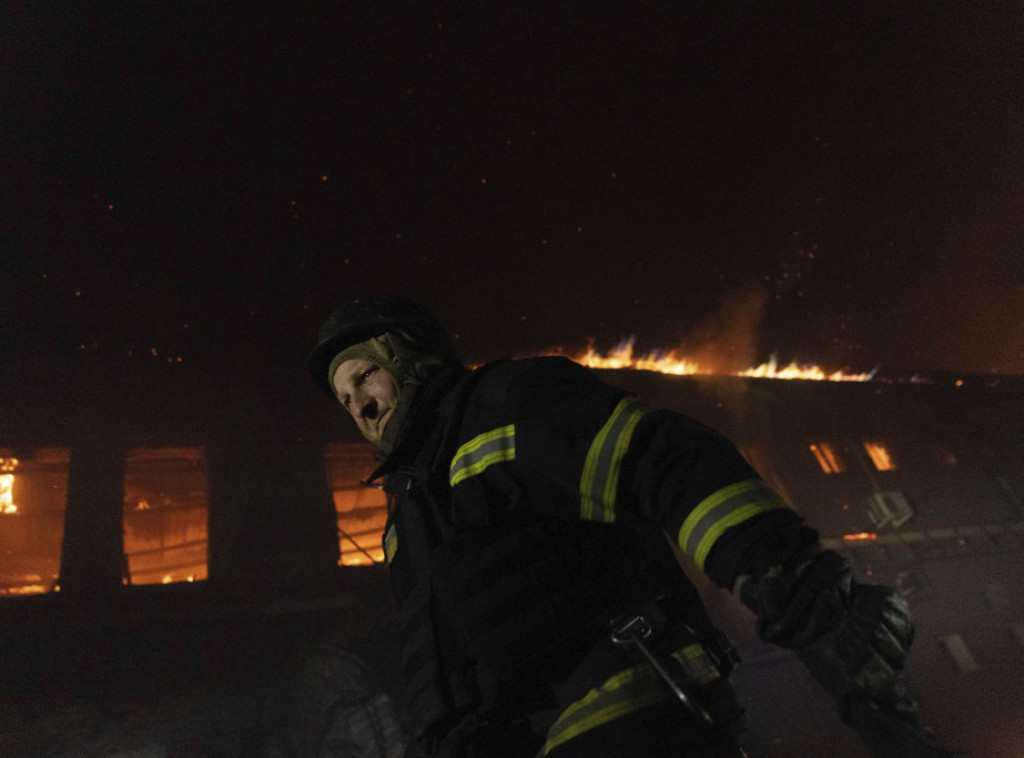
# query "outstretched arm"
(853, 638)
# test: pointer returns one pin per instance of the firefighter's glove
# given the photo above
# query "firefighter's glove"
(854, 639)
(892, 731)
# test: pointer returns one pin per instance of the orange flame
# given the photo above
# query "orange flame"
(671, 362)
(7, 466)
(622, 357)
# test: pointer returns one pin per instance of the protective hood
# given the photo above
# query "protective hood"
(407, 368)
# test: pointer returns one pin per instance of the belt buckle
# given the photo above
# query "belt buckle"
(630, 628)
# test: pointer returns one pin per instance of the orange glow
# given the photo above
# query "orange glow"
(622, 357)
(827, 458)
(165, 515)
(673, 362)
(861, 536)
(32, 505)
(361, 512)
(7, 494)
(771, 370)
(880, 456)
(26, 589)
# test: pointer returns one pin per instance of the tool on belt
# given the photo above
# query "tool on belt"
(632, 630)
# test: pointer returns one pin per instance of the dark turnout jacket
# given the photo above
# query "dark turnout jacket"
(530, 504)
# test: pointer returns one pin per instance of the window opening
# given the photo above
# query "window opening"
(880, 456)
(165, 515)
(827, 457)
(33, 501)
(361, 512)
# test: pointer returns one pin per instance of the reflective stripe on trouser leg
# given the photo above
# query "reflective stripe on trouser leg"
(625, 693)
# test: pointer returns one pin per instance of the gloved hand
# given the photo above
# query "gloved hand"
(854, 639)
(892, 732)
(860, 662)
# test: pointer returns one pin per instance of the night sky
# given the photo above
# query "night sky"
(185, 185)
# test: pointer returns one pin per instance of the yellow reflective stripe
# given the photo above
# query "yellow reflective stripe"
(709, 503)
(599, 484)
(728, 507)
(736, 517)
(482, 439)
(626, 692)
(696, 663)
(495, 457)
(390, 543)
(482, 451)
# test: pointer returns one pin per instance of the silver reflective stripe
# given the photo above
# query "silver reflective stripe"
(599, 484)
(483, 450)
(728, 507)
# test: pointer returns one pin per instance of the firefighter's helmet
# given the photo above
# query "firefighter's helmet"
(372, 316)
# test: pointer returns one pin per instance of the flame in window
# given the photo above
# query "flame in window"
(7, 494)
(7, 466)
(34, 487)
(827, 458)
(361, 512)
(165, 515)
(880, 456)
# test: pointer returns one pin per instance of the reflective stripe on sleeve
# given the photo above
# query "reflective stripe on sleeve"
(600, 481)
(390, 543)
(728, 507)
(483, 450)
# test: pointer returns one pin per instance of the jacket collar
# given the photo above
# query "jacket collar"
(422, 421)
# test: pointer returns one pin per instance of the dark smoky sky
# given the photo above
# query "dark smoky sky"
(840, 184)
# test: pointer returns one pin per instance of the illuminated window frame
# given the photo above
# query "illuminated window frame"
(33, 506)
(166, 514)
(827, 457)
(360, 511)
(880, 455)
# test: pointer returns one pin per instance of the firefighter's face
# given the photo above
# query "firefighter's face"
(366, 391)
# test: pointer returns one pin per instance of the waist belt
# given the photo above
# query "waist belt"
(685, 662)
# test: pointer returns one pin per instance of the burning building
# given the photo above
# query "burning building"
(158, 538)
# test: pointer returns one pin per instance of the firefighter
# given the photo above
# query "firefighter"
(543, 611)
